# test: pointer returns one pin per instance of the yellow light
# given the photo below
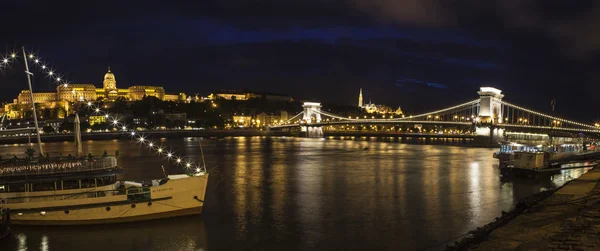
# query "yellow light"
(30, 55)
(160, 150)
(13, 55)
(50, 73)
(178, 160)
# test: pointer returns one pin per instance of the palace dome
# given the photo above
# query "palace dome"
(109, 75)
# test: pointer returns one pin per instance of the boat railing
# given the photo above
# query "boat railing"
(58, 167)
(76, 196)
(137, 194)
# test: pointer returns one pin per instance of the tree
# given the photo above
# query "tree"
(70, 156)
(29, 152)
(116, 153)
(105, 154)
(90, 157)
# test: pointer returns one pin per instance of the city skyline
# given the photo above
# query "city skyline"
(315, 49)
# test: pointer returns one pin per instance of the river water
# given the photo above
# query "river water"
(304, 194)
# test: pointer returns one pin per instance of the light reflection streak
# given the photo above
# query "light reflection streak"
(22, 242)
(45, 244)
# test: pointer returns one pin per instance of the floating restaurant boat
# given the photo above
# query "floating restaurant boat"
(537, 153)
(86, 191)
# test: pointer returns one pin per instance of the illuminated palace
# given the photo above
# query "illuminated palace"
(88, 92)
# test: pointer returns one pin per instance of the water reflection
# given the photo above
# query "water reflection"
(306, 194)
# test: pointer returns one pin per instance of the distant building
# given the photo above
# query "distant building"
(242, 120)
(231, 95)
(373, 108)
(236, 95)
(97, 119)
(264, 119)
(87, 92)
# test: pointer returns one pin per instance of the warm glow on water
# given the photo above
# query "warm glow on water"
(305, 194)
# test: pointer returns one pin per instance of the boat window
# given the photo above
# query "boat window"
(136, 194)
(70, 184)
(16, 187)
(85, 183)
(43, 186)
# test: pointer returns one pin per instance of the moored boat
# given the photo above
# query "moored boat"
(80, 192)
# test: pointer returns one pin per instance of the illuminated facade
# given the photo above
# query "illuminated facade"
(373, 108)
(87, 92)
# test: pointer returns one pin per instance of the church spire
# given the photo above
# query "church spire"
(360, 98)
(109, 69)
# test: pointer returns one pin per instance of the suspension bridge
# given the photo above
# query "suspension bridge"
(488, 116)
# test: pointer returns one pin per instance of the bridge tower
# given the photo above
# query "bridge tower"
(490, 106)
(489, 114)
(312, 115)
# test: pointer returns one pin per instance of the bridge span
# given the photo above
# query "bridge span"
(488, 117)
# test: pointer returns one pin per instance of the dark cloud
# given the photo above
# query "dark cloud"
(542, 46)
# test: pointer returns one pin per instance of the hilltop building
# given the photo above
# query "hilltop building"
(373, 108)
(245, 95)
(87, 92)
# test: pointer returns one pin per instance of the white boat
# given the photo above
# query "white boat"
(86, 191)
(80, 192)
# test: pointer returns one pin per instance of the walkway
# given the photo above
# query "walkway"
(567, 220)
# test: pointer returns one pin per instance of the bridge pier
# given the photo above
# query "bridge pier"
(488, 135)
(312, 131)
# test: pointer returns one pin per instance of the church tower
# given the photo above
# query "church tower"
(360, 98)
(110, 83)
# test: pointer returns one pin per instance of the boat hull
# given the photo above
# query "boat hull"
(143, 217)
(177, 197)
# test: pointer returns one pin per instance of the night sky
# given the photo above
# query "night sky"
(419, 54)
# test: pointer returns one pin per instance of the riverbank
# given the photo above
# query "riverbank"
(568, 219)
(151, 134)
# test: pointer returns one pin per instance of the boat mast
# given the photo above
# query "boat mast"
(37, 128)
(202, 152)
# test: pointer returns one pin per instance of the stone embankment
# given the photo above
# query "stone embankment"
(564, 219)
